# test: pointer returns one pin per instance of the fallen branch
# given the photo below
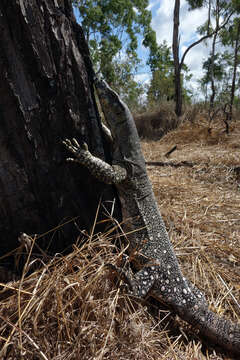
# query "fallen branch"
(171, 151)
(162, 163)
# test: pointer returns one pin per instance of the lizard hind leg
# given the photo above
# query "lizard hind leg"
(147, 279)
(144, 280)
(138, 284)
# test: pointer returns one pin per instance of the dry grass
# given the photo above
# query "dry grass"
(72, 309)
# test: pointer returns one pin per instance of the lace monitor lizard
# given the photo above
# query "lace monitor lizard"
(158, 272)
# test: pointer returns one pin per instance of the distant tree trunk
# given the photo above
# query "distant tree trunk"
(46, 95)
(213, 55)
(212, 77)
(209, 15)
(177, 67)
(236, 62)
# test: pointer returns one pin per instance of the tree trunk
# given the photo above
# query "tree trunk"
(46, 95)
(177, 67)
(233, 87)
(213, 55)
(212, 75)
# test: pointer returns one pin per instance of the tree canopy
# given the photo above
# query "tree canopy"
(117, 29)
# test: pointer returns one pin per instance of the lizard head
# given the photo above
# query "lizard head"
(127, 149)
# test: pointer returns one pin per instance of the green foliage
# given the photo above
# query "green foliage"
(236, 5)
(162, 82)
(162, 86)
(130, 90)
(194, 4)
(213, 66)
(229, 35)
(161, 59)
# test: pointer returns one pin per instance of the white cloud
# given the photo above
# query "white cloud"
(194, 60)
(195, 57)
(142, 78)
(166, 8)
(190, 21)
(162, 21)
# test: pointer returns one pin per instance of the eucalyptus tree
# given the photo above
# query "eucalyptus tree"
(231, 38)
(218, 10)
(207, 31)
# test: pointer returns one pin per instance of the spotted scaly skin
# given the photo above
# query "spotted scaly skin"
(158, 269)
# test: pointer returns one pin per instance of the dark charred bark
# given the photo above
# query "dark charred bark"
(46, 95)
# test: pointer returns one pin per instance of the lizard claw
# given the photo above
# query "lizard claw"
(74, 141)
(85, 146)
(75, 148)
(71, 159)
(125, 275)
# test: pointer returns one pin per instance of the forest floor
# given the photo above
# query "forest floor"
(72, 307)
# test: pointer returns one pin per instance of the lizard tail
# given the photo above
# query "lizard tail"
(218, 330)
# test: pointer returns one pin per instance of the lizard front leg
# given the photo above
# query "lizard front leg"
(109, 174)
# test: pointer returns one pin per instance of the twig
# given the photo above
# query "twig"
(229, 291)
(171, 151)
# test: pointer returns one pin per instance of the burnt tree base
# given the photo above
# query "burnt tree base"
(46, 95)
